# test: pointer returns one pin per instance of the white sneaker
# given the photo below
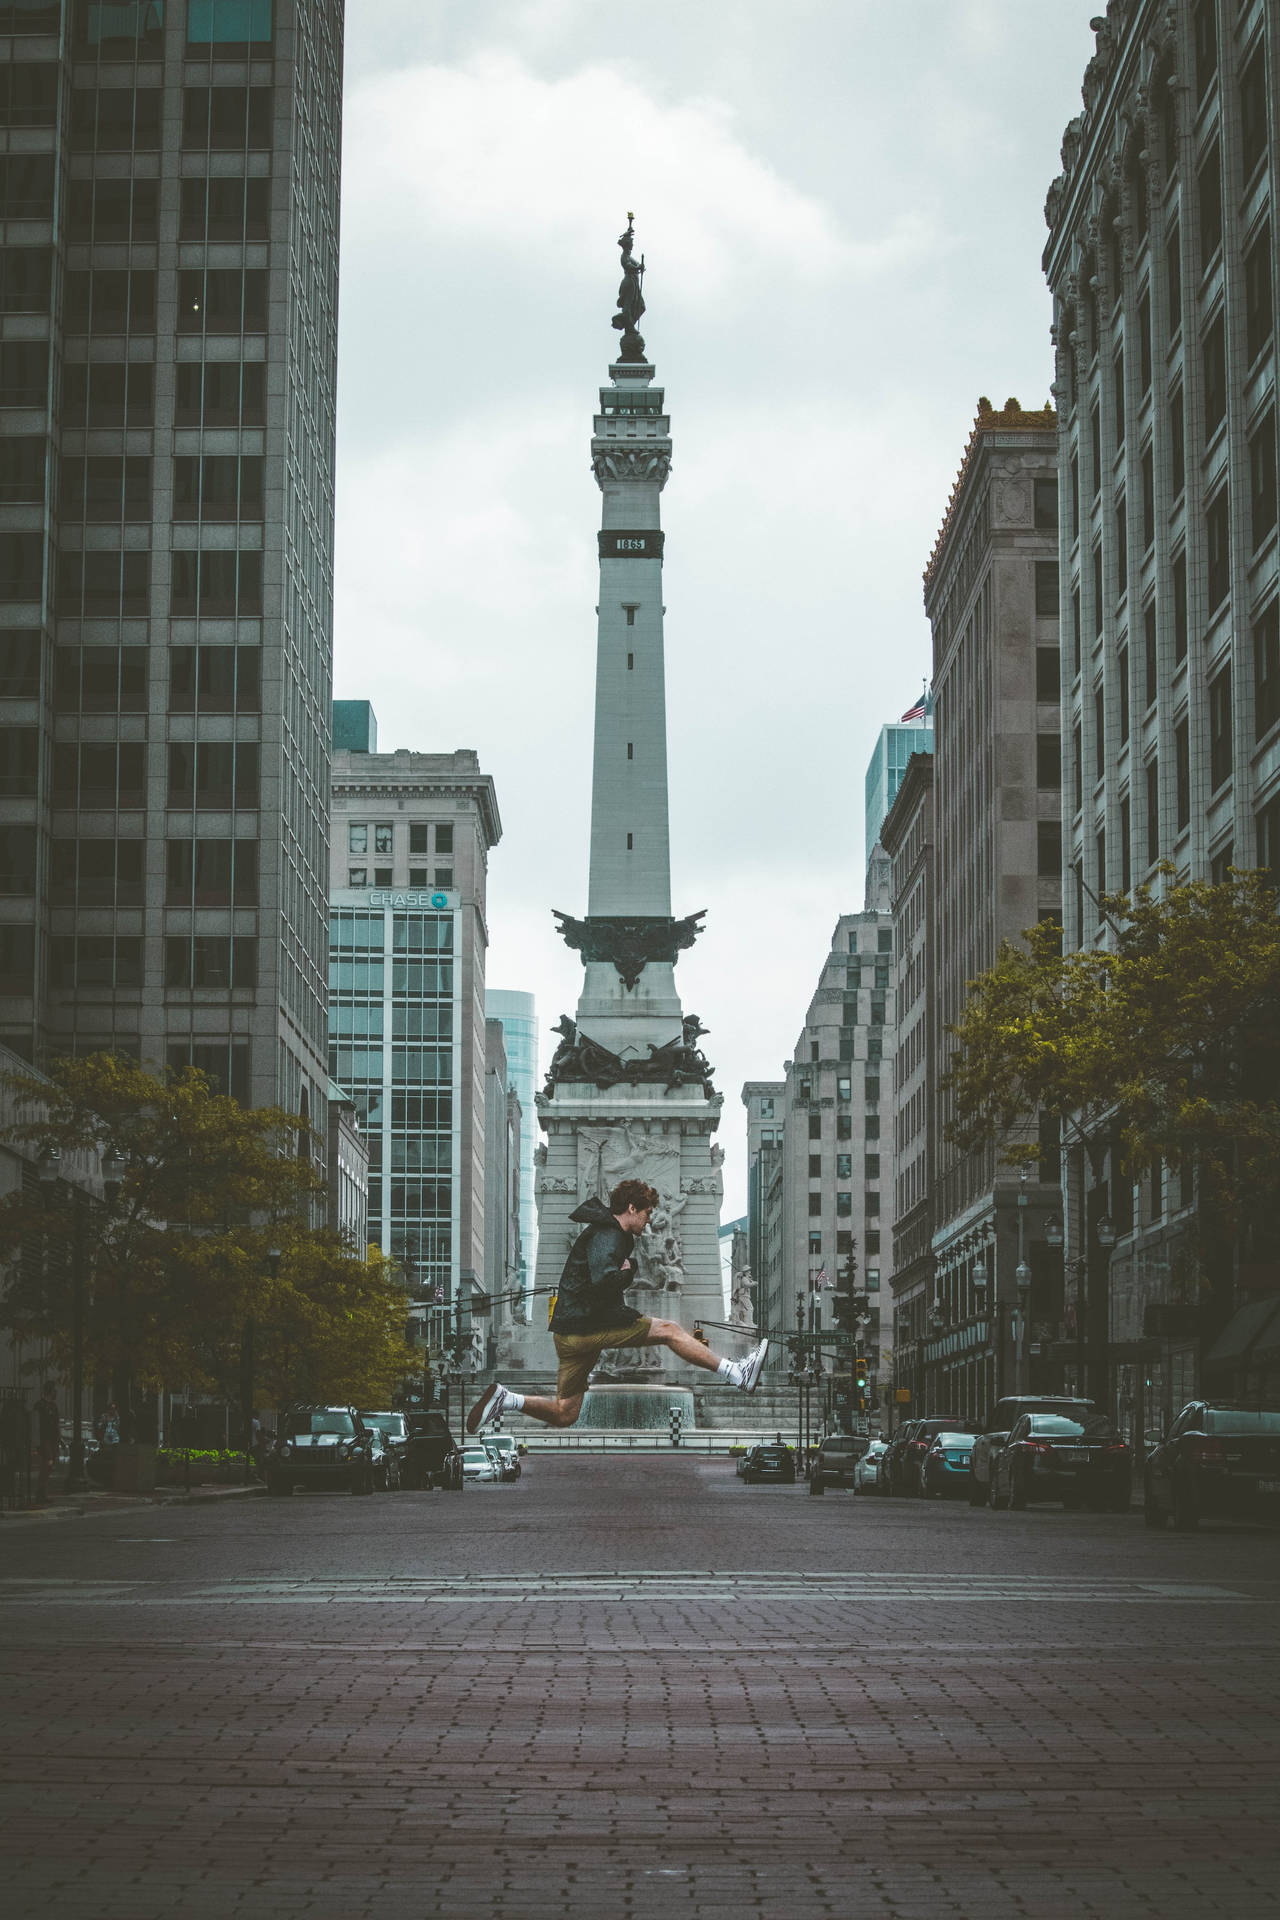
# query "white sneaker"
(750, 1368)
(487, 1408)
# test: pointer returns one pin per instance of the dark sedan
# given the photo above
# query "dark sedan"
(1083, 1462)
(1216, 1462)
(321, 1447)
(995, 1434)
(768, 1463)
(890, 1464)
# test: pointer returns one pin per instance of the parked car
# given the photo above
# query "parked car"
(893, 1454)
(995, 1434)
(944, 1471)
(904, 1471)
(393, 1427)
(770, 1462)
(866, 1474)
(835, 1461)
(1048, 1457)
(479, 1464)
(1217, 1462)
(320, 1447)
(502, 1449)
(432, 1458)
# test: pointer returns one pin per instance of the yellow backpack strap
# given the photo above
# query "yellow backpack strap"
(551, 1307)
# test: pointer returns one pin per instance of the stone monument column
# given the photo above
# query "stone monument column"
(629, 1092)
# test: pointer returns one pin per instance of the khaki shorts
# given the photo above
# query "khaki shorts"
(578, 1353)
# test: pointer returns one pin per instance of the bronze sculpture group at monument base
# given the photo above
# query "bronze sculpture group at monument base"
(677, 1063)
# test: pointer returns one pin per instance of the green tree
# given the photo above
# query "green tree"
(1167, 1042)
(178, 1262)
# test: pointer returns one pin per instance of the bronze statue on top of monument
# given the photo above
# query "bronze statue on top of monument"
(630, 297)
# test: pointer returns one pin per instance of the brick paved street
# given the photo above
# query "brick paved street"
(637, 1688)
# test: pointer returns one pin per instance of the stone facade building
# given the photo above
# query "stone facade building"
(907, 835)
(407, 941)
(502, 1175)
(348, 1171)
(766, 1105)
(1161, 260)
(991, 595)
(169, 198)
(837, 1151)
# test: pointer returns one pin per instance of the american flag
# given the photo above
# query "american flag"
(915, 713)
(822, 1278)
(438, 1296)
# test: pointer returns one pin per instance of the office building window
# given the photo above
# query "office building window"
(1177, 441)
(211, 873)
(1210, 185)
(1220, 728)
(1149, 652)
(444, 876)
(844, 1126)
(1122, 689)
(1048, 848)
(1048, 674)
(26, 279)
(209, 679)
(106, 488)
(871, 1166)
(357, 876)
(1267, 838)
(382, 837)
(1262, 479)
(1217, 529)
(1047, 587)
(357, 839)
(815, 1126)
(123, 212)
(1179, 608)
(815, 1166)
(20, 664)
(844, 1205)
(108, 585)
(210, 961)
(1148, 498)
(815, 1204)
(1182, 774)
(1048, 760)
(1214, 357)
(1118, 389)
(215, 583)
(844, 1089)
(218, 487)
(1122, 547)
(1045, 504)
(110, 300)
(444, 839)
(106, 394)
(1266, 669)
(1258, 280)
(115, 119)
(1253, 113)
(1097, 593)
(1173, 267)
(1126, 846)
(222, 300)
(214, 774)
(1153, 811)
(815, 1241)
(226, 119)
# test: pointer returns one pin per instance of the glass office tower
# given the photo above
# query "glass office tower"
(168, 331)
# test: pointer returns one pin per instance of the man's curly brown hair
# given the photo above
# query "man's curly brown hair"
(633, 1193)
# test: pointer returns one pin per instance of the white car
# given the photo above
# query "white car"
(867, 1472)
(479, 1464)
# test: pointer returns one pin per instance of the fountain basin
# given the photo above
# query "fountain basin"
(647, 1407)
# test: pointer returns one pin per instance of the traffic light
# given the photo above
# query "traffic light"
(860, 1382)
(844, 1311)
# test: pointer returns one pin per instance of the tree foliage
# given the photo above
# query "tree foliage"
(1169, 1037)
(178, 1261)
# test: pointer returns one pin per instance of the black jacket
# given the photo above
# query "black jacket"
(589, 1298)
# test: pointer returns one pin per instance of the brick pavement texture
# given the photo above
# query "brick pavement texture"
(747, 1752)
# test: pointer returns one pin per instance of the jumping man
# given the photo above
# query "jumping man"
(591, 1317)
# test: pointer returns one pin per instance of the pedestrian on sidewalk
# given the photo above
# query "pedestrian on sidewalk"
(591, 1317)
(48, 1439)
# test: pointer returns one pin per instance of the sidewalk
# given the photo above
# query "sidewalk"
(84, 1506)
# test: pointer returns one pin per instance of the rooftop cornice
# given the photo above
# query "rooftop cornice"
(1012, 418)
(1131, 31)
(395, 782)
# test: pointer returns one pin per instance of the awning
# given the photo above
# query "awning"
(1244, 1331)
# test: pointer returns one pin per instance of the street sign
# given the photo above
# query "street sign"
(902, 1395)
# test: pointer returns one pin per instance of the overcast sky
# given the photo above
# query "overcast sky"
(840, 203)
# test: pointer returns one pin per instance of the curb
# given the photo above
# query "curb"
(164, 1497)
